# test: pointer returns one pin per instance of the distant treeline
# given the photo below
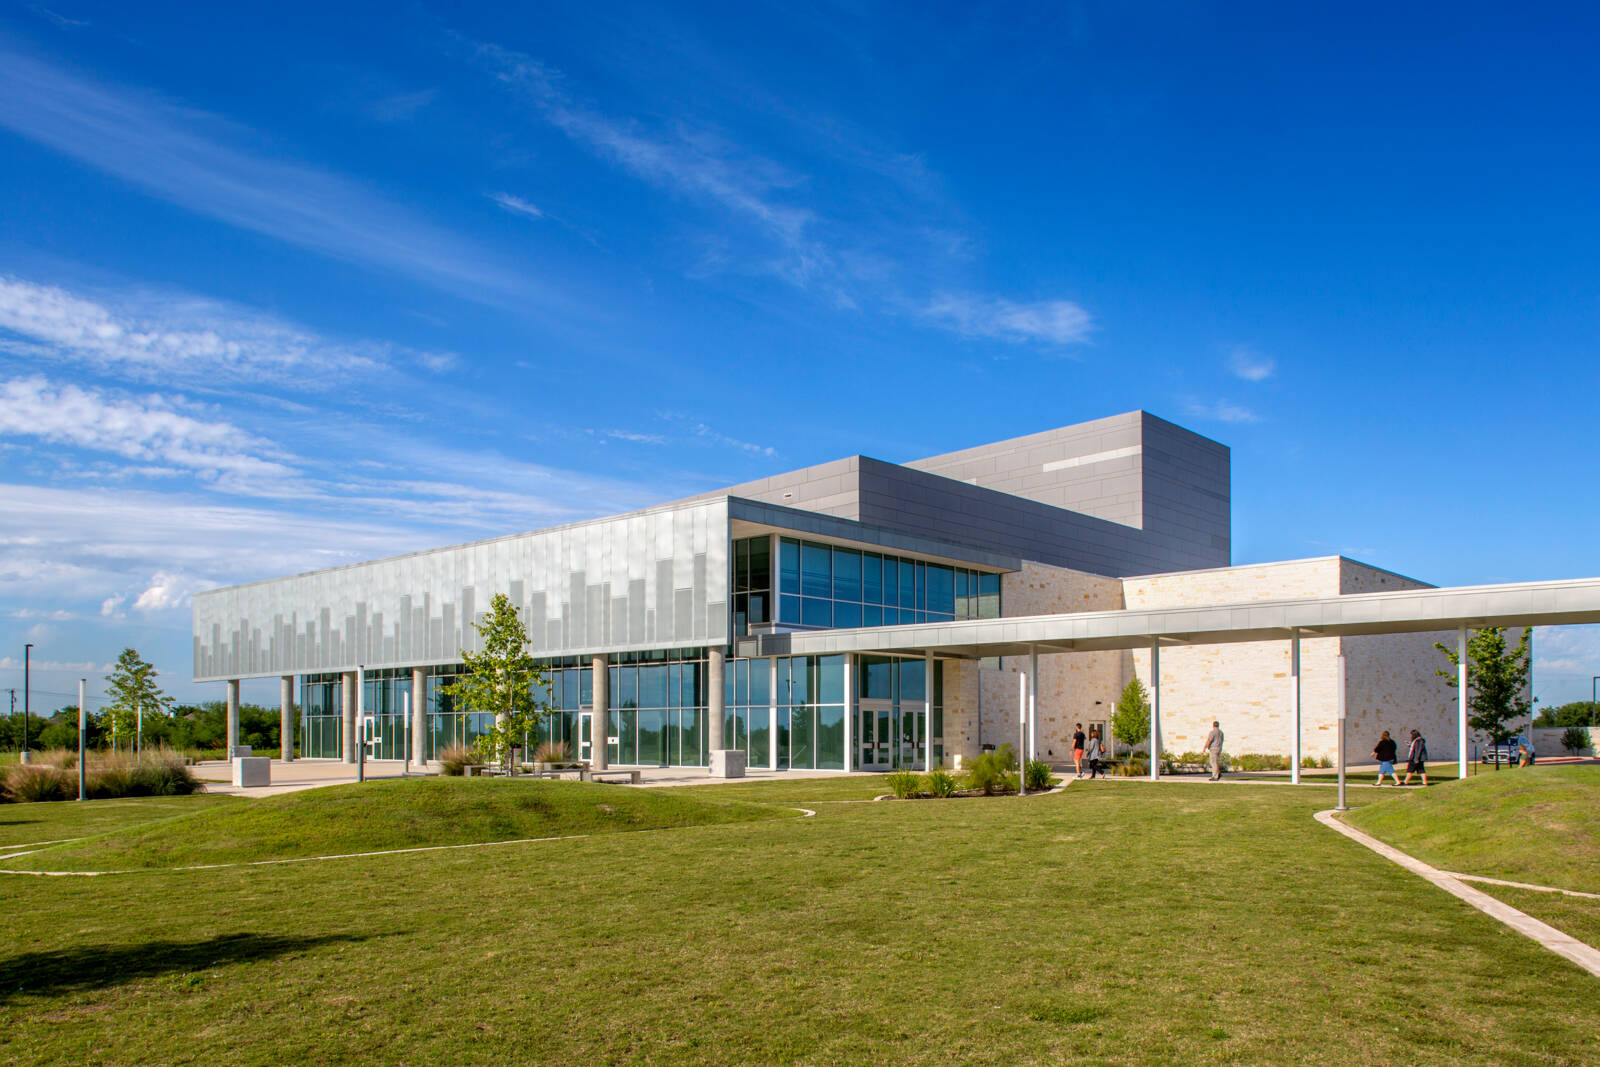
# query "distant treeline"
(1577, 713)
(187, 726)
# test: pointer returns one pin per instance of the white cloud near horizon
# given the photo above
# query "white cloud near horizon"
(1052, 322)
(1247, 364)
(160, 147)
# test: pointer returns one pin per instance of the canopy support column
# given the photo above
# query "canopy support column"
(1294, 703)
(1155, 709)
(1461, 702)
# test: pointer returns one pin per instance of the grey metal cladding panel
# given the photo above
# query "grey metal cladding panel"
(580, 588)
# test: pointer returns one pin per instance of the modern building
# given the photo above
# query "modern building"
(813, 619)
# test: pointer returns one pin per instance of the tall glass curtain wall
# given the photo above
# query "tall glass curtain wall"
(387, 700)
(896, 725)
(657, 702)
(824, 585)
(807, 711)
(321, 710)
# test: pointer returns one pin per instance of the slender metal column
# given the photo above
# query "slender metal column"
(1155, 710)
(1033, 703)
(1022, 729)
(927, 718)
(1341, 711)
(419, 716)
(599, 747)
(286, 718)
(772, 711)
(1461, 702)
(83, 734)
(233, 716)
(1294, 700)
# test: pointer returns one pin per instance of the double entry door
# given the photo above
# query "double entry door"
(892, 738)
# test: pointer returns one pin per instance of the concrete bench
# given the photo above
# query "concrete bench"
(252, 771)
(727, 763)
(557, 772)
(633, 776)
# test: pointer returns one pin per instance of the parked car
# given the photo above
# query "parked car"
(1506, 751)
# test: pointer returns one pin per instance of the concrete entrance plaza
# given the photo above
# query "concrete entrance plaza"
(310, 774)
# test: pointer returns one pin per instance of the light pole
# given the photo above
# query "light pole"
(27, 688)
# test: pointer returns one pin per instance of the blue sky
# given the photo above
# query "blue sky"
(284, 287)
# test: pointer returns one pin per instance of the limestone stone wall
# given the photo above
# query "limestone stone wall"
(1068, 684)
(1391, 682)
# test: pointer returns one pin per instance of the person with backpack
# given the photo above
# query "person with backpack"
(1094, 752)
(1417, 758)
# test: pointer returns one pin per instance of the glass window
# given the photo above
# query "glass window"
(871, 615)
(941, 590)
(760, 682)
(789, 565)
(815, 612)
(908, 584)
(653, 736)
(741, 566)
(816, 570)
(872, 578)
(760, 563)
(586, 687)
(688, 744)
(913, 680)
(741, 685)
(653, 687)
(846, 615)
(830, 671)
(988, 596)
(760, 751)
(798, 691)
(830, 737)
(689, 685)
(877, 678)
(802, 734)
(626, 724)
(626, 693)
(789, 609)
(756, 609)
(846, 574)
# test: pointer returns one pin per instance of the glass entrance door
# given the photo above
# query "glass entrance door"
(912, 750)
(586, 736)
(875, 720)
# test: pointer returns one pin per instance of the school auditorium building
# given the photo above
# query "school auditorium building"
(819, 618)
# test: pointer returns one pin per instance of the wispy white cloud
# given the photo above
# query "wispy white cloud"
(1246, 363)
(1221, 411)
(155, 336)
(164, 149)
(144, 429)
(12, 663)
(400, 107)
(516, 205)
(1052, 322)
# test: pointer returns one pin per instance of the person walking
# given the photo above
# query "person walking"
(1078, 740)
(1417, 758)
(1094, 752)
(1214, 750)
(1384, 752)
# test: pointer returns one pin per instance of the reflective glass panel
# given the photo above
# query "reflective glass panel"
(846, 574)
(816, 570)
(872, 578)
(830, 737)
(789, 565)
(830, 670)
(816, 612)
(941, 590)
(846, 615)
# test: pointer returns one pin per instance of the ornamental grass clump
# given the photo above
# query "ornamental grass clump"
(552, 752)
(941, 783)
(453, 761)
(904, 785)
(994, 772)
(30, 782)
(1037, 775)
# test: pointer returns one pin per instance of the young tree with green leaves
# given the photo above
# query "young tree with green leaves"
(502, 680)
(1130, 719)
(132, 690)
(1497, 680)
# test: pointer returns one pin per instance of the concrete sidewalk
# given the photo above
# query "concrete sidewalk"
(312, 774)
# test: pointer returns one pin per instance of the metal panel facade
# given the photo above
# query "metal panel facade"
(660, 576)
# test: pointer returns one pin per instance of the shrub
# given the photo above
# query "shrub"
(453, 760)
(941, 783)
(1257, 761)
(1324, 762)
(1037, 775)
(904, 784)
(994, 772)
(1308, 761)
(1132, 767)
(1575, 739)
(109, 777)
(552, 752)
(36, 781)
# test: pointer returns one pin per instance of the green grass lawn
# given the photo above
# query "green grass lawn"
(1537, 824)
(390, 814)
(1113, 922)
(25, 823)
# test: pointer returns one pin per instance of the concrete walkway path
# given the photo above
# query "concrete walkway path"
(1561, 944)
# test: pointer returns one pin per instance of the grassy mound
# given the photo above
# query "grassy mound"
(397, 813)
(1538, 824)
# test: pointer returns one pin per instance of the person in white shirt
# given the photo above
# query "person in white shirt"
(1214, 748)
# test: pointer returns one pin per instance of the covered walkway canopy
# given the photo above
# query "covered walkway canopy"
(1459, 608)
